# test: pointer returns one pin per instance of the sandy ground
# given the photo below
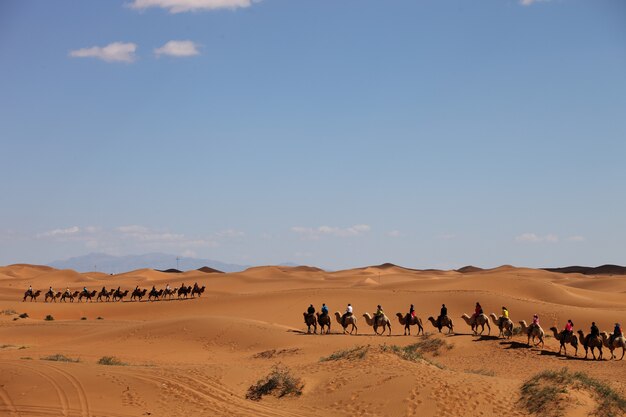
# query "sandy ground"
(199, 356)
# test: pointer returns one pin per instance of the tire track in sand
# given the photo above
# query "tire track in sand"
(80, 390)
(64, 403)
(6, 399)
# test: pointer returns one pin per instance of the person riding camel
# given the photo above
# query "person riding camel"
(478, 310)
(50, 291)
(30, 289)
(309, 312)
(378, 316)
(594, 331)
(195, 286)
(167, 287)
(67, 290)
(505, 316)
(348, 313)
(617, 332)
(535, 322)
(412, 311)
(442, 314)
(324, 309)
(569, 328)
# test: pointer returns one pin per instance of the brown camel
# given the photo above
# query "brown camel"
(482, 320)
(590, 343)
(32, 295)
(324, 321)
(441, 323)
(156, 294)
(106, 294)
(618, 342)
(169, 293)
(310, 321)
(119, 295)
(504, 324)
(382, 321)
(536, 332)
(52, 296)
(564, 339)
(67, 295)
(350, 320)
(138, 294)
(407, 321)
(198, 291)
(88, 295)
(184, 291)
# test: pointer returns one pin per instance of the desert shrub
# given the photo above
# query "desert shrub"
(99, 318)
(83, 318)
(542, 393)
(23, 315)
(280, 382)
(269, 354)
(111, 360)
(8, 312)
(357, 352)
(49, 318)
(59, 358)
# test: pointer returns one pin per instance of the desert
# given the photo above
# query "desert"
(200, 355)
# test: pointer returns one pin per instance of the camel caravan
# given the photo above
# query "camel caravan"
(535, 334)
(113, 295)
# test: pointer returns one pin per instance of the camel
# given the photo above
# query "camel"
(106, 294)
(324, 321)
(564, 340)
(169, 293)
(32, 295)
(52, 296)
(536, 332)
(119, 295)
(482, 320)
(381, 322)
(138, 294)
(184, 291)
(350, 320)
(88, 295)
(444, 322)
(68, 295)
(156, 294)
(590, 343)
(617, 342)
(198, 290)
(310, 320)
(407, 321)
(505, 325)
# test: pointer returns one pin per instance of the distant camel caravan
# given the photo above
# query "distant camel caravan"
(114, 295)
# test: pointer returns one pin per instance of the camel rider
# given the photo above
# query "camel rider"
(595, 332)
(535, 322)
(310, 310)
(505, 316)
(195, 286)
(167, 287)
(50, 290)
(348, 313)
(617, 332)
(85, 290)
(478, 310)
(569, 328)
(412, 311)
(67, 290)
(442, 314)
(378, 315)
(104, 289)
(30, 289)
(324, 309)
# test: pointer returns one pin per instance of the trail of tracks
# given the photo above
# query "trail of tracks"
(6, 399)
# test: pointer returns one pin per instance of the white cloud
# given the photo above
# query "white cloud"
(180, 6)
(576, 238)
(316, 233)
(534, 238)
(178, 49)
(113, 52)
(59, 232)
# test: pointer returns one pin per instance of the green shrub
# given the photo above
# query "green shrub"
(357, 352)
(59, 358)
(111, 360)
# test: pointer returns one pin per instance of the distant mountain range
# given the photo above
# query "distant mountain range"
(110, 264)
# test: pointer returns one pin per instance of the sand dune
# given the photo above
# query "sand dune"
(199, 356)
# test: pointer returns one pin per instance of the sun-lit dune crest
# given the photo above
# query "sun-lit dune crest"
(367, 282)
(24, 270)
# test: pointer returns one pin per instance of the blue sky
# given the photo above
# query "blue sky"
(428, 133)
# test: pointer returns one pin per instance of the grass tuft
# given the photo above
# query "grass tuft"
(280, 382)
(111, 360)
(83, 318)
(8, 312)
(481, 371)
(542, 394)
(49, 318)
(59, 358)
(357, 352)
